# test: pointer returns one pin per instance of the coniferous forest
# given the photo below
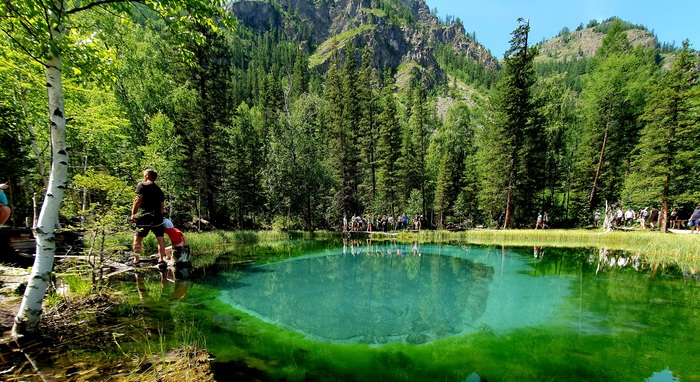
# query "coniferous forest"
(267, 127)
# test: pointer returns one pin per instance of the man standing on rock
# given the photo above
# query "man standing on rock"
(150, 205)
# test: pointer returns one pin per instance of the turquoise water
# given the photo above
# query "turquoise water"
(404, 293)
(367, 311)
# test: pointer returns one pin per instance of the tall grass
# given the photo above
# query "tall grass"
(655, 246)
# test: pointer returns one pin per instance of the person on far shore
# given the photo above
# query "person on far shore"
(545, 220)
(538, 223)
(596, 218)
(629, 217)
(643, 216)
(654, 217)
(694, 222)
(672, 218)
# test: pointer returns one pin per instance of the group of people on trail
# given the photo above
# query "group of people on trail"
(542, 220)
(648, 218)
(383, 223)
(147, 215)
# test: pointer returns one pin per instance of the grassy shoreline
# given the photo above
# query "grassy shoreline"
(655, 246)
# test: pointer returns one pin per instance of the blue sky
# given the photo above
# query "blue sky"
(493, 20)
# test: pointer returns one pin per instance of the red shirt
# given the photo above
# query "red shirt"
(176, 236)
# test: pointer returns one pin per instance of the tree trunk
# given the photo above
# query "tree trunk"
(29, 314)
(602, 156)
(509, 197)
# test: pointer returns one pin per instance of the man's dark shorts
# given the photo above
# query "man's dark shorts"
(146, 224)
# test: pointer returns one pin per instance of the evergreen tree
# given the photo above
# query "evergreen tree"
(665, 169)
(389, 182)
(613, 98)
(557, 105)
(415, 145)
(301, 75)
(242, 182)
(513, 146)
(368, 127)
(341, 138)
(202, 131)
(450, 149)
(351, 116)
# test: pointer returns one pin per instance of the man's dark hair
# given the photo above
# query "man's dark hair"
(152, 173)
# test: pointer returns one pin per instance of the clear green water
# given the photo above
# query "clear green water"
(444, 313)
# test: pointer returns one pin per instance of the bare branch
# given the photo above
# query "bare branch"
(99, 4)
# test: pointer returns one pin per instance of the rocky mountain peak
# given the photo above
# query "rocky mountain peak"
(402, 33)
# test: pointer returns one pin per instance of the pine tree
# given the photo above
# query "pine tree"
(512, 147)
(341, 139)
(388, 152)
(301, 76)
(665, 170)
(351, 115)
(202, 132)
(450, 148)
(368, 126)
(415, 145)
(242, 181)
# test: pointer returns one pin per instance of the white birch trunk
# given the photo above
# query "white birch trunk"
(27, 319)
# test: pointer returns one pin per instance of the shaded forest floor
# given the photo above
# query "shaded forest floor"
(80, 341)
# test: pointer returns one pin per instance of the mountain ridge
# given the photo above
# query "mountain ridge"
(402, 33)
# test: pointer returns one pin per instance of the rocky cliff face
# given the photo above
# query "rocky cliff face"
(403, 41)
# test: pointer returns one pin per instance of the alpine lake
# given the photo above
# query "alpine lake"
(360, 310)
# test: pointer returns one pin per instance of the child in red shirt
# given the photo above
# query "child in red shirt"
(178, 246)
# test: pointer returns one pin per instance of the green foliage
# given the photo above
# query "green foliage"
(613, 98)
(665, 167)
(389, 198)
(246, 130)
(465, 68)
(513, 147)
(608, 24)
(327, 49)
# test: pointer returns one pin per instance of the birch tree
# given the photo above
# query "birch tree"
(49, 32)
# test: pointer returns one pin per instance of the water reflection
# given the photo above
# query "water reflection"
(173, 286)
(563, 314)
(607, 260)
(379, 293)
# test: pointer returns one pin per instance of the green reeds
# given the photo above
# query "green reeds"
(682, 249)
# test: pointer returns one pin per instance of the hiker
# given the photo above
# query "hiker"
(654, 217)
(629, 217)
(149, 203)
(618, 217)
(538, 223)
(643, 215)
(545, 220)
(673, 221)
(5, 211)
(694, 221)
(596, 218)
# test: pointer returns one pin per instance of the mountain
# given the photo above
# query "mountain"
(402, 33)
(584, 42)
